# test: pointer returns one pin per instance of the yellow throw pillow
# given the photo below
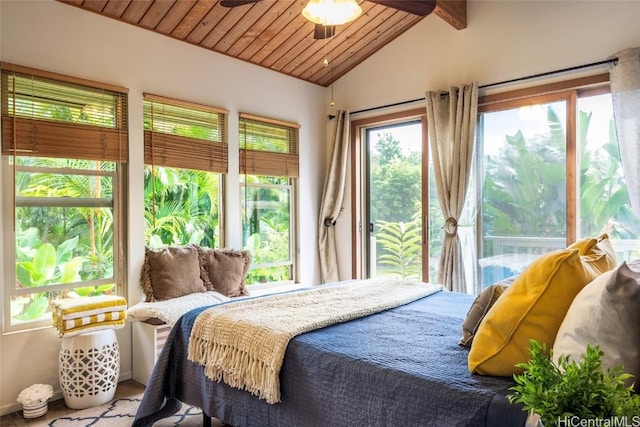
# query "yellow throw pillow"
(598, 252)
(584, 245)
(533, 307)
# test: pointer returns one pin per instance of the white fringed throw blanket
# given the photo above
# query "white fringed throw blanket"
(243, 343)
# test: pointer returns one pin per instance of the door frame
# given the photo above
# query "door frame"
(358, 188)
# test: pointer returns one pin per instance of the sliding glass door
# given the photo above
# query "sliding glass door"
(394, 207)
(551, 174)
(394, 181)
(546, 173)
(524, 191)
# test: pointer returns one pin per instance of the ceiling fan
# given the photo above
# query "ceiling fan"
(415, 7)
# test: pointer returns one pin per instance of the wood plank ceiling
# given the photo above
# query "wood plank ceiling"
(273, 33)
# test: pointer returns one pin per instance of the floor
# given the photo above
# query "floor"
(57, 408)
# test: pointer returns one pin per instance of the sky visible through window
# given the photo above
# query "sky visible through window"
(526, 119)
(409, 135)
(530, 120)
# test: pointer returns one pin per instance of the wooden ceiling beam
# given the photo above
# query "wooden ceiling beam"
(453, 11)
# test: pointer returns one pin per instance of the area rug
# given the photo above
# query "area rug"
(120, 413)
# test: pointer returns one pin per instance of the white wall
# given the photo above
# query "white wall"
(503, 40)
(60, 38)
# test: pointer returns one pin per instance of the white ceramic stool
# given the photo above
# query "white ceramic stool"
(88, 368)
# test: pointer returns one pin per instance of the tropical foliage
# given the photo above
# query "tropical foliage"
(525, 175)
(401, 247)
(395, 206)
(62, 244)
(181, 207)
(604, 199)
(529, 174)
(395, 181)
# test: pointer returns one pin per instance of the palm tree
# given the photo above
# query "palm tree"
(181, 206)
(401, 247)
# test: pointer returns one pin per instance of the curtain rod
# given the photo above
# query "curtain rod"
(519, 79)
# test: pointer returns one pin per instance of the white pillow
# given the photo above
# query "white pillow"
(170, 311)
(606, 312)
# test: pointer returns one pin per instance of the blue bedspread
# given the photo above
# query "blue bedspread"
(401, 367)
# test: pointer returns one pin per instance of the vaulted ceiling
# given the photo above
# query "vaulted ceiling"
(273, 33)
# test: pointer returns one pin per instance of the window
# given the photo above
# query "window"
(64, 146)
(524, 194)
(268, 168)
(395, 196)
(604, 199)
(394, 199)
(551, 174)
(185, 157)
(547, 172)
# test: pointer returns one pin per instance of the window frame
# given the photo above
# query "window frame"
(358, 184)
(292, 260)
(116, 139)
(261, 161)
(569, 97)
(181, 152)
(568, 91)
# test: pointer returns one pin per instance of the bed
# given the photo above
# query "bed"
(402, 366)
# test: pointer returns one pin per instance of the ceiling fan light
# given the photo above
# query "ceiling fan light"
(331, 12)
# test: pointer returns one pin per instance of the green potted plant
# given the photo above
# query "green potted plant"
(565, 392)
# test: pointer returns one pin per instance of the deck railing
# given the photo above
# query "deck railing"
(513, 253)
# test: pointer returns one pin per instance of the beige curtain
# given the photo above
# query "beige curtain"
(451, 119)
(332, 197)
(625, 94)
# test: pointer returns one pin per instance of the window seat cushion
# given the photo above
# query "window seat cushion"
(170, 311)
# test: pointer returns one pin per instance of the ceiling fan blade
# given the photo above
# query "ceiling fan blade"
(324, 31)
(234, 3)
(415, 7)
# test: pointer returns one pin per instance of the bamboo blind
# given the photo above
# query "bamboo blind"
(268, 147)
(50, 115)
(184, 135)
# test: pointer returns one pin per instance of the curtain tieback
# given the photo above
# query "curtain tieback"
(451, 227)
(328, 222)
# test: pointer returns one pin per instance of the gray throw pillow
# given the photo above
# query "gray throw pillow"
(606, 313)
(225, 270)
(171, 272)
(479, 308)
